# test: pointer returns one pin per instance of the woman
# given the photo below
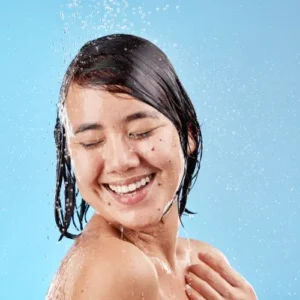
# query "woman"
(128, 138)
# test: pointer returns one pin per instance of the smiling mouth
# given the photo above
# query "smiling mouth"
(131, 192)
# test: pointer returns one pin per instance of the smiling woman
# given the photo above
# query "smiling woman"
(128, 140)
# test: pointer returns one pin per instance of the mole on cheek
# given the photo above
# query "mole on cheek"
(159, 184)
(158, 209)
(169, 161)
(108, 203)
(160, 140)
(152, 149)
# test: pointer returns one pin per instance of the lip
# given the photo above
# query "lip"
(129, 180)
(137, 197)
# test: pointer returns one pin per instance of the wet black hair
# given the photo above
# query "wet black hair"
(123, 63)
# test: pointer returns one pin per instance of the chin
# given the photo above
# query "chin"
(138, 222)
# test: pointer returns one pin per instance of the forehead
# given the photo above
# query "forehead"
(88, 104)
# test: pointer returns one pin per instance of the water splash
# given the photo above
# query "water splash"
(189, 249)
(122, 232)
(162, 264)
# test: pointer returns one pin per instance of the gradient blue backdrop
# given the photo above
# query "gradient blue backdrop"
(240, 63)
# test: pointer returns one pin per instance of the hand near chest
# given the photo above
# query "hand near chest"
(212, 278)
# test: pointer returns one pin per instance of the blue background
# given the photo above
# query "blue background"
(240, 63)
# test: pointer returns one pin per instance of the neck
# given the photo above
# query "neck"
(159, 242)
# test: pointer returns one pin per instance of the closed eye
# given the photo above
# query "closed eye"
(142, 135)
(92, 145)
(135, 136)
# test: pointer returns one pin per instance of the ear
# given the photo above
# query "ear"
(191, 143)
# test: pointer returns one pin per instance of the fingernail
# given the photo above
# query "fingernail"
(188, 278)
(188, 289)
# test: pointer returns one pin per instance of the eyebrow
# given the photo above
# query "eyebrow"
(132, 117)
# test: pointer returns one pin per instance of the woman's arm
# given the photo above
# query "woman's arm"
(112, 274)
(115, 280)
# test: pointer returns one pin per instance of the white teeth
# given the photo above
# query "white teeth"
(131, 187)
(138, 184)
(124, 189)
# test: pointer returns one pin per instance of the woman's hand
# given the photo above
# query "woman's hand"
(214, 279)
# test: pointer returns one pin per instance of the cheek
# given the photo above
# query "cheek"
(165, 152)
(171, 163)
(86, 166)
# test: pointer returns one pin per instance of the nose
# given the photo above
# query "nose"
(119, 156)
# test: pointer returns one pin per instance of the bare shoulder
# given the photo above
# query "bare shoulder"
(200, 246)
(110, 269)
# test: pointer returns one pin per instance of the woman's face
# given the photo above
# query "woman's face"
(117, 144)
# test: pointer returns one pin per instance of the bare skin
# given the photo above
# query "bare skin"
(99, 240)
(130, 251)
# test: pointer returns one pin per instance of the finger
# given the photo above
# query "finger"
(212, 278)
(202, 287)
(220, 265)
(192, 294)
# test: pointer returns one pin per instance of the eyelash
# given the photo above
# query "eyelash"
(90, 146)
(143, 135)
(136, 136)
